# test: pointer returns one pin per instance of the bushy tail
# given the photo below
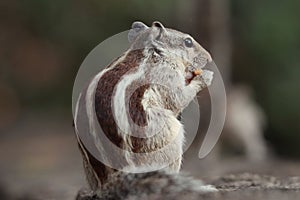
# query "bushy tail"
(148, 186)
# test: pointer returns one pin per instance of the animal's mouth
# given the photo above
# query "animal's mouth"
(191, 74)
(199, 71)
(193, 70)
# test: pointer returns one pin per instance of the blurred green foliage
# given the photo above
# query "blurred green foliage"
(269, 31)
(74, 28)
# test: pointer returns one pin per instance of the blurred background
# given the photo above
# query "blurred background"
(256, 45)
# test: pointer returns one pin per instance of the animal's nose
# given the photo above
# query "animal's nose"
(208, 56)
(204, 54)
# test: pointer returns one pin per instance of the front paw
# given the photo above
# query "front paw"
(207, 77)
(203, 80)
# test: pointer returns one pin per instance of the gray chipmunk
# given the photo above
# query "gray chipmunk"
(136, 101)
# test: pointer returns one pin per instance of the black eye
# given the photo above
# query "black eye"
(188, 42)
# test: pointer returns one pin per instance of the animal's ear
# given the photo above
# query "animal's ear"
(160, 27)
(136, 29)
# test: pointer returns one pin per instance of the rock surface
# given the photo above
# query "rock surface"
(162, 186)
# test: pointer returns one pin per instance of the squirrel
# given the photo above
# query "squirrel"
(137, 101)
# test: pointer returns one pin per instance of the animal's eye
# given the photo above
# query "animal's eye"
(188, 42)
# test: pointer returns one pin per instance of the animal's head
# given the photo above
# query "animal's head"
(170, 43)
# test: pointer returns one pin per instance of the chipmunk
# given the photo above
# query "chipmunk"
(136, 101)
